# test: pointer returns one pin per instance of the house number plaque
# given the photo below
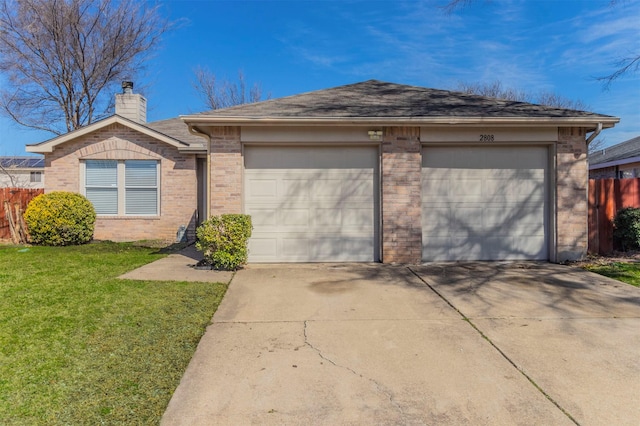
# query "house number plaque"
(487, 138)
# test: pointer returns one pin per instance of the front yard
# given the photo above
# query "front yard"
(79, 346)
(627, 272)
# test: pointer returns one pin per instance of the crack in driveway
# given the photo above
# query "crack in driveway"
(378, 386)
(495, 346)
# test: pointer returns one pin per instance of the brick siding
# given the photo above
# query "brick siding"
(604, 173)
(571, 194)
(226, 164)
(401, 170)
(117, 142)
(401, 195)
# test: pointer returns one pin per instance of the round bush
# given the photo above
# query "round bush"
(60, 219)
(223, 240)
(626, 228)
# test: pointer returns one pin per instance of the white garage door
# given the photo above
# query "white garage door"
(484, 203)
(311, 204)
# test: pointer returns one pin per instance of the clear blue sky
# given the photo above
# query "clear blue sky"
(292, 47)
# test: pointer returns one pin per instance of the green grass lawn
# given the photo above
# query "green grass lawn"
(79, 346)
(625, 272)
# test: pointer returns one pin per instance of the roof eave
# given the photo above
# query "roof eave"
(49, 145)
(611, 163)
(588, 122)
(193, 149)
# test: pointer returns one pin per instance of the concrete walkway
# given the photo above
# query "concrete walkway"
(178, 267)
(436, 344)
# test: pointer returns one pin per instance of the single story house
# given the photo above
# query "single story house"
(372, 171)
(21, 172)
(619, 161)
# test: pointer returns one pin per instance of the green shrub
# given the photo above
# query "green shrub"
(60, 219)
(223, 240)
(626, 228)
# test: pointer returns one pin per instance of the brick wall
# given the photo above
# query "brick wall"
(571, 193)
(604, 173)
(624, 171)
(401, 195)
(178, 200)
(226, 164)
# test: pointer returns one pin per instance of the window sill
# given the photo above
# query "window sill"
(110, 217)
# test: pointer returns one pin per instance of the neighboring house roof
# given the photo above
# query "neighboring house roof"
(22, 162)
(381, 102)
(177, 134)
(623, 153)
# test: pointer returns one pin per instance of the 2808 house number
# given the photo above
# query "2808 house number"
(487, 138)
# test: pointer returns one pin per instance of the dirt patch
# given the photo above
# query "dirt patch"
(615, 257)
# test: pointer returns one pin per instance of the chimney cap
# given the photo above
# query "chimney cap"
(127, 87)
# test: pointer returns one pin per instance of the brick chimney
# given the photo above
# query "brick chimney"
(131, 105)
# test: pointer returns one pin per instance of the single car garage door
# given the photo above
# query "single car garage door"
(311, 204)
(484, 203)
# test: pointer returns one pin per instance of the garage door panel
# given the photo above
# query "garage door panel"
(324, 218)
(361, 187)
(436, 220)
(326, 188)
(264, 248)
(466, 188)
(435, 188)
(293, 218)
(263, 188)
(323, 208)
(484, 203)
(294, 190)
(467, 248)
(358, 218)
(263, 217)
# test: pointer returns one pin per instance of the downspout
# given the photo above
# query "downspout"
(594, 134)
(197, 132)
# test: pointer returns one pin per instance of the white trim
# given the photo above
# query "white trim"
(614, 163)
(587, 122)
(122, 189)
(49, 145)
(304, 134)
(493, 135)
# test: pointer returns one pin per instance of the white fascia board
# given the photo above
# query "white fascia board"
(48, 146)
(615, 163)
(588, 122)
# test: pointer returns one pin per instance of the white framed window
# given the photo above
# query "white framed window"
(123, 187)
(35, 177)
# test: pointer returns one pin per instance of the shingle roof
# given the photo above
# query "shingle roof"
(375, 98)
(22, 162)
(621, 151)
(175, 128)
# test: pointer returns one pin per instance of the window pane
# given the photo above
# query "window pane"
(141, 201)
(140, 173)
(105, 200)
(36, 177)
(103, 173)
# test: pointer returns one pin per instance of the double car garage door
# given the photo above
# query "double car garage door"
(320, 204)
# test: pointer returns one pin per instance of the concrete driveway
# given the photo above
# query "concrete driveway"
(478, 343)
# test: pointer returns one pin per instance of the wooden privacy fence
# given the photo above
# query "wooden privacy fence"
(17, 199)
(606, 198)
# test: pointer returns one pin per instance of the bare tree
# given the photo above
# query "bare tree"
(493, 90)
(218, 94)
(63, 58)
(629, 64)
(496, 90)
(12, 179)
